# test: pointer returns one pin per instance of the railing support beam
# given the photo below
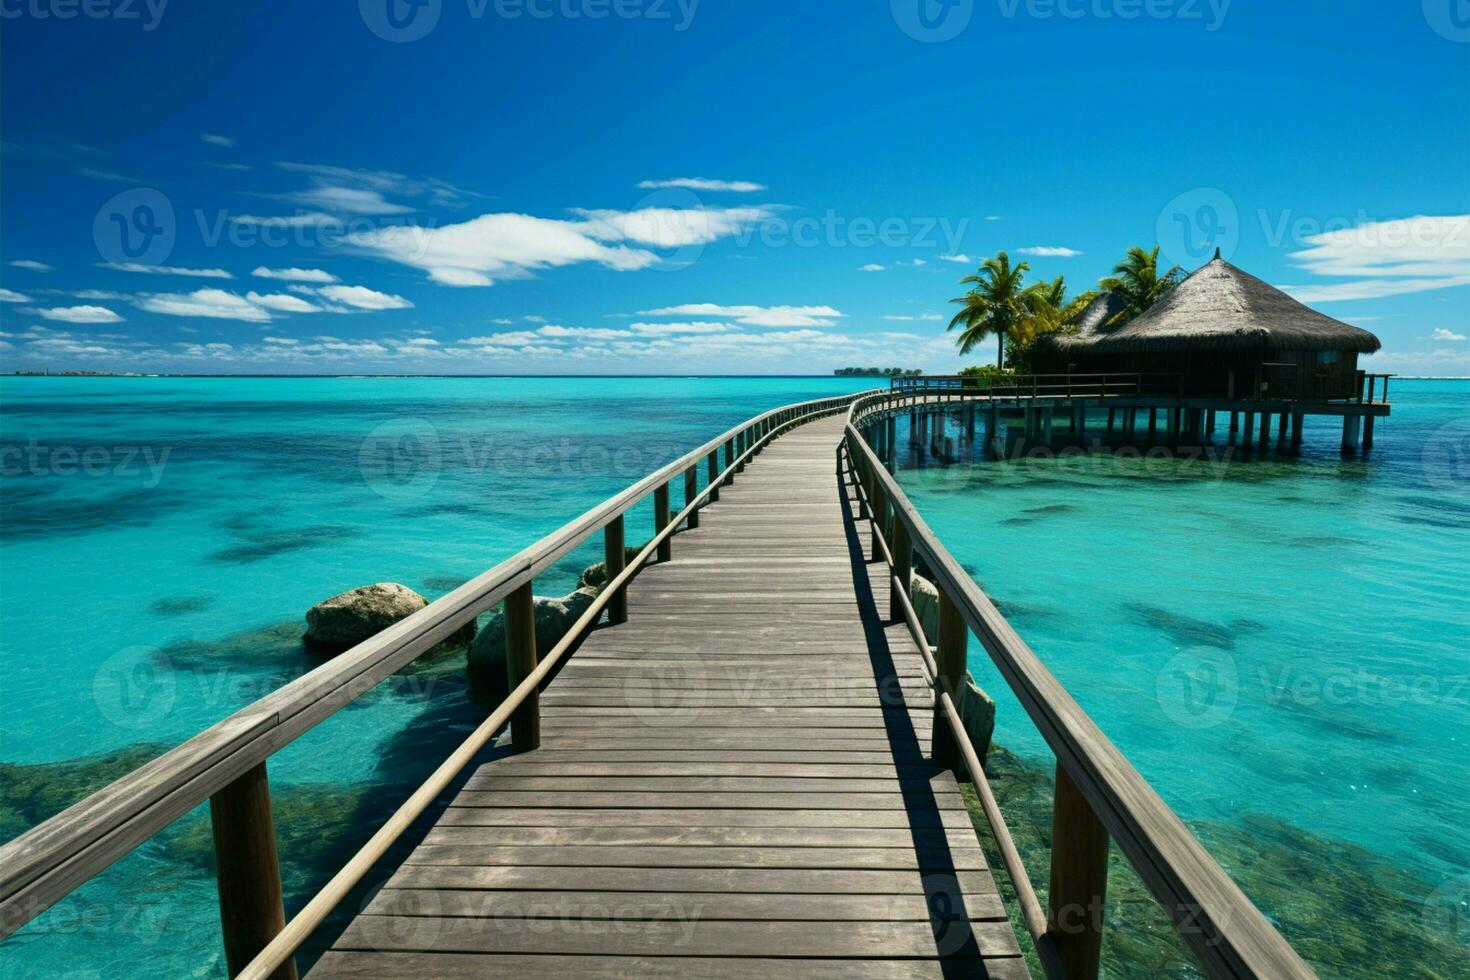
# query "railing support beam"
(661, 521)
(1079, 880)
(954, 637)
(520, 660)
(248, 870)
(612, 542)
(691, 490)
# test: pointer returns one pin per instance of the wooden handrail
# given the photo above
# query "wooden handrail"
(1226, 932)
(52, 859)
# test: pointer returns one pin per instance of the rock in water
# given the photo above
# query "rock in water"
(345, 620)
(554, 616)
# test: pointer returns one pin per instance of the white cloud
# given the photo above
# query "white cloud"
(1049, 251)
(294, 275)
(364, 298)
(871, 267)
(1387, 258)
(959, 257)
(11, 296)
(509, 338)
(898, 318)
(533, 318)
(33, 265)
(304, 219)
(1440, 333)
(703, 184)
(165, 270)
(503, 321)
(100, 294)
(215, 304)
(757, 316)
(81, 314)
(494, 247)
(344, 200)
(585, 333)
(420, 342)
(214, 139)
(995, 217)
(697, 327)
(282, 302)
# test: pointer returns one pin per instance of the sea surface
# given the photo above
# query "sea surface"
(1281, 645)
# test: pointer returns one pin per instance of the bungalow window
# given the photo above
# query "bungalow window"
(1327, 357)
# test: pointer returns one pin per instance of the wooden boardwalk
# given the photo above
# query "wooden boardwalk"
(733, 783)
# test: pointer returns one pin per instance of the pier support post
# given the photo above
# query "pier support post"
(1112, 418)
(879, 516)
(1367, 432)
(1153, 424)
(1079, 880)
(949, 657)
(691, 490)
(1249, 431)
(249, 872)
(729, 460)
(1351, 428)
(661, 517)
(1265, 439)
(1234, 422)
(714, 473)
(520, 660)
(992, 432)
(1281, 428)
(970, 424)
(1046, 422)
(1210, 422)
(612, 550)
(1079, 421)
(949, 449)
(1296, 430)
(889, 442)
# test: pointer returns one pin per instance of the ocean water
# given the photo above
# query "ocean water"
(1280, 645)
(1265, 638)
(163, 538)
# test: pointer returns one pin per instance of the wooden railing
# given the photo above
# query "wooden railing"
(225, 764)
(1100, 798)
(1047, 385)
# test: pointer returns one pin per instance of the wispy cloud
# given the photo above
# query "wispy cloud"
(11, 296)
(344, 200)
(166, 270)
(281, 302)
(80, 314)
(214, 304)
(756, 316)
(363, 298)
(1387, 258)
(214, 139)
(871, 267)
(1049, 251)
(294, 274)
(33, 265)
(960, 258)
(704, 184)
(1440, 333)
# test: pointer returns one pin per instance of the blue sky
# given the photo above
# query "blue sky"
(649, 186)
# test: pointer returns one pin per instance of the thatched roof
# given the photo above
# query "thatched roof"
(1089, 326)
(1222, 307)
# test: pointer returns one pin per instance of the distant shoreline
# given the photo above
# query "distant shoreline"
(699, 377)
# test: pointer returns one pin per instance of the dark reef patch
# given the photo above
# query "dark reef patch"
(179, 605)
(32, 793)
(1187, 630)
(273, 543)
(26, 514)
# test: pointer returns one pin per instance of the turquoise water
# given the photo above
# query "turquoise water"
(1260, 635)
(1265, 636)
(164, 537)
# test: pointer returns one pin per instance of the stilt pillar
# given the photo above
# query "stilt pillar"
(1352, 427)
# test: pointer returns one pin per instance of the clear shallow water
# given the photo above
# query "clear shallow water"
(1260, 636)
(164, 537)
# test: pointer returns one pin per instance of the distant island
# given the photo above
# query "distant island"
(877, 372)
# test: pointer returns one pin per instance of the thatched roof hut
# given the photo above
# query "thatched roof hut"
(1091, 324)
(1221, 307)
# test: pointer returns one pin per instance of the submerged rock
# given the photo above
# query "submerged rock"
(345, 620)
(595, 576)
(32, 793)
(486, 664)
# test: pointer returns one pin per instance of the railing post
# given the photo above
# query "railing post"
(1079, 880)
(903, 565)
(729, 460)
(661, 521)
(612, 540)
(953, 638)
(520, 660)
(880, 512)
(714, 472)
(248, 870)
(691, 490)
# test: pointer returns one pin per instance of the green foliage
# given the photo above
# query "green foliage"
(993, 307)
(988, 375)
(877, 372)
(1137, 281)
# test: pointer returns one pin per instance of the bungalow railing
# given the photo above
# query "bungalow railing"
(1046, 385)
(1099, 797)
(226, 763)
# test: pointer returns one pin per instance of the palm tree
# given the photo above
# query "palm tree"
(1137, 282)
(993, 307)
(1048, 309)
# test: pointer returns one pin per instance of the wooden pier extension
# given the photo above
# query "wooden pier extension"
(734, 783)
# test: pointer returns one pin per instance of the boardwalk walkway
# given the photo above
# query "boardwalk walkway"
(732, 784)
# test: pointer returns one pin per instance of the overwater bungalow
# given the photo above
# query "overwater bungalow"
(1224, 333)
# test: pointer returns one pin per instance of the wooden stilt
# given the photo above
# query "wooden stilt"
(1352, 426)
(1367, 432)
